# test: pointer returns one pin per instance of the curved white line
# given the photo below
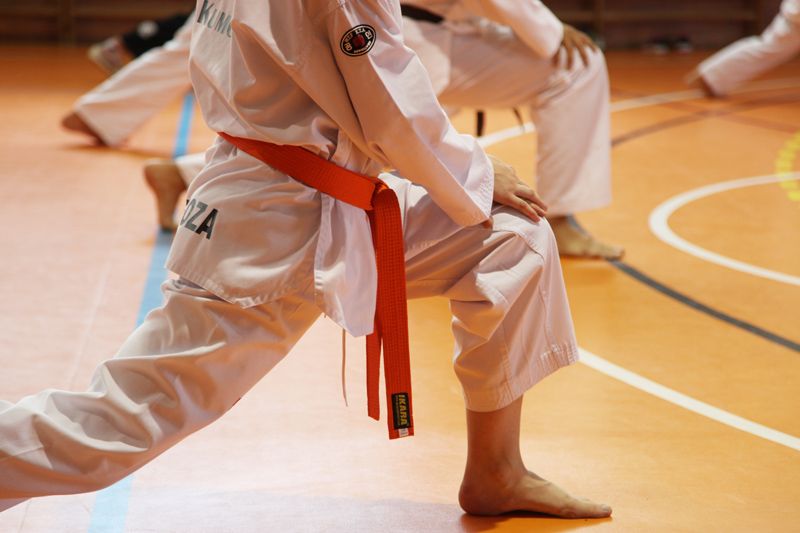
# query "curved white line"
(635, 380)
(687, 402)
(659, 225)
(503, 135)
(655, 99)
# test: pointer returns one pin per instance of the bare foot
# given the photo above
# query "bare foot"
(110, 55)
(523, 491)
(165, 181)
(695, 79)
(75, 123)
(574, 241)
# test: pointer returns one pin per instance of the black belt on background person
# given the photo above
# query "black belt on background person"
(418, 13)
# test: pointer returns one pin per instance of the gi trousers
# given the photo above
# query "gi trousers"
(747, 58)
(491, 68)
(192, 359)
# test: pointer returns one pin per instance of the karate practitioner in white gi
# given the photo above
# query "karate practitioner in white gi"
(269, 255)
(111, 112)
(502, 54)
(747, 58)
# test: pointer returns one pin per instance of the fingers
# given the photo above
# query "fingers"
(568, 49)
(573, 41)
(586, 45)
(532, 211)
(584, 55)
(526, 193)
(526, 201)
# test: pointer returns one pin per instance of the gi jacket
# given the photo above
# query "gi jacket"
(334, 77)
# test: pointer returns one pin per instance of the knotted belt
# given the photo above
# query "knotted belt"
(391, 316)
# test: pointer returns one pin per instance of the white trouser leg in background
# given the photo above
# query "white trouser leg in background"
(747, 58)
(192, 359)
(494, 69)
(119, 106)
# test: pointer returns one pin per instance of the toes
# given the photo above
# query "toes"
(584, 509)
(588, 247)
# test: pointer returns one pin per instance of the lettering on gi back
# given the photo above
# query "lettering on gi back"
(198, 218)
(214, 18)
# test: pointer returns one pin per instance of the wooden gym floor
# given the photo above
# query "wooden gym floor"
(684, 415)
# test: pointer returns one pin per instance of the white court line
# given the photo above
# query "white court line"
(692, 94)
(630, 378)
(503, 135)
(687, 402)
(659, 225)
(643, 101)
(655, 99)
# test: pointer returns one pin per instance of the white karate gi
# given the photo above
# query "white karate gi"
(498, 54)
(116, 108)
(747, 58)
(281, 253)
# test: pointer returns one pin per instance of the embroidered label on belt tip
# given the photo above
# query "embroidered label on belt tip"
(400, 411)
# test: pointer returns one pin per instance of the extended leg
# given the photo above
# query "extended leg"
(747, 58)
(184, 367)
(113, 110)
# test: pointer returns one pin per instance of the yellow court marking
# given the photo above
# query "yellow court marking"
(784, 167)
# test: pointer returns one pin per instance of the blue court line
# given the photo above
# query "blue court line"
(111, 504)
(703, 308)
(184, 126)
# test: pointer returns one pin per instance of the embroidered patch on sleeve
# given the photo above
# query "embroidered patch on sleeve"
(358, 41)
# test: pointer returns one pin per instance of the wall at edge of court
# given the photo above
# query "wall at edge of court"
(85, 21)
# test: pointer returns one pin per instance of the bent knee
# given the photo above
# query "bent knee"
(537, 235)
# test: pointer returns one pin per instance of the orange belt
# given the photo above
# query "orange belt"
(391, 317)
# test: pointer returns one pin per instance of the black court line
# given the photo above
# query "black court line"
(703, 308)
(697, 114)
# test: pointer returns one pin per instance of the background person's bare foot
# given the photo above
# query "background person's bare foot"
(110, 55)
(574, 241)
(166, 182)
(73, 122)
(695, 79)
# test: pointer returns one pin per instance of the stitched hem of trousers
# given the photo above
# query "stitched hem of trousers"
(558, 356)
(563, 210)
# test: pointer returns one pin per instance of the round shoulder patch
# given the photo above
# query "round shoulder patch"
(358, 41)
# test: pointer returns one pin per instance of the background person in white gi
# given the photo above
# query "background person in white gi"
(115, 109)
(747, 58)
(279, 253)
(501, 54)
